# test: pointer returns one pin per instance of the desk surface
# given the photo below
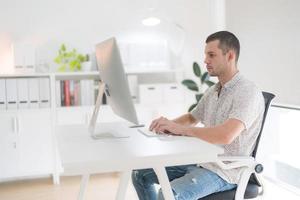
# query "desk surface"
(81, 154)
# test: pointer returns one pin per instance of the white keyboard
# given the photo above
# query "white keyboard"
(149, 133)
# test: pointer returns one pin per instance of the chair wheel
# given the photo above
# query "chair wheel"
(259, 168)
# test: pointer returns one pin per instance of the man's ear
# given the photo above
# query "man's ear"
(231, 55)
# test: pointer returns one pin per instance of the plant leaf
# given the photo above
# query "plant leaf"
(209, 83)
(57, 60)
(192, 107)
(81, 58)
(62, 68)
(205, 77)
(197, 70)
(198, 97)
(190, 84)
(87, 57)
(63, 47)
(78, 66)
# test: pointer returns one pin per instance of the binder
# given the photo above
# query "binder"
(23, 93)
(67, 93)
(11, 93)
(84, 91)
(57, 93)
(62, 92)
(44, 92)
(2, 94)
(76, 93)
(34, 99)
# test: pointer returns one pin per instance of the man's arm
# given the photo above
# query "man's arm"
(186, 119)
(221, 134)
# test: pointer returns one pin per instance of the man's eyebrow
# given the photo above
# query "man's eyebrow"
(209, 52)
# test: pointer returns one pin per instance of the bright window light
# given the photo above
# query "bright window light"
(151, 21)
(6, 55)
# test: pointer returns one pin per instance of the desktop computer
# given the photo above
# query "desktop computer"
(114, 85)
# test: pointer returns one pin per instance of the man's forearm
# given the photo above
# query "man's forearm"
(221, 134)
(186, 119)
(213, 135)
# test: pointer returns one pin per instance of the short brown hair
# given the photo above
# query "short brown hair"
(228, 41)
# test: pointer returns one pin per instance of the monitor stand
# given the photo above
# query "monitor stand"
(104, 130)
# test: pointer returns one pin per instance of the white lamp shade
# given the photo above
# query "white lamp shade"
(151, 21)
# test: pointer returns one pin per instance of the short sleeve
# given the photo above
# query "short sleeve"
(199, 111)
(247, 105)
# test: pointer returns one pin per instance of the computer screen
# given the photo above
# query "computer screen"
(113, 82)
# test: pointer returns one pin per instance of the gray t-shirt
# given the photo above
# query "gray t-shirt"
(239, 99)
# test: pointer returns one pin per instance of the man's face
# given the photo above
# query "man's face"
(216, 62)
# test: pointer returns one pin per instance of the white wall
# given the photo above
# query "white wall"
(269, 34)
(81, 24)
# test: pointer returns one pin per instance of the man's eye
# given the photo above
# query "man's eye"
(211, 55)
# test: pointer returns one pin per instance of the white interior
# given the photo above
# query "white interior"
(268, 31)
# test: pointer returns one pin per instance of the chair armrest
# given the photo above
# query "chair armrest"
(231, 162)
(250, 166)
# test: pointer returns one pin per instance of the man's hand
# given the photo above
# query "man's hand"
(163, 125)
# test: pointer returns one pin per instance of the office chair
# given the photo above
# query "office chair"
(249, 184)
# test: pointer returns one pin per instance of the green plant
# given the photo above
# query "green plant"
(192, 85)
(69, 60)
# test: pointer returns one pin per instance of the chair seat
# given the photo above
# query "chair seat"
(251, 192)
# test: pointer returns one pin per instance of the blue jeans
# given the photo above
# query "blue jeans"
(188, 182)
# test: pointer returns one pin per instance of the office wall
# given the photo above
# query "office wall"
(81, 24)
(269, 33)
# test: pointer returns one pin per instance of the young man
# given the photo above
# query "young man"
(231, 111)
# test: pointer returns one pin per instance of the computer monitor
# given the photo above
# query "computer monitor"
(113, 82)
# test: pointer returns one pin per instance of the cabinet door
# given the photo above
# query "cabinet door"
(8, 146)
(151, 94)
(35, 139)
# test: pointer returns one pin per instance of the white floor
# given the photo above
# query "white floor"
(278, 191)
(100, 187)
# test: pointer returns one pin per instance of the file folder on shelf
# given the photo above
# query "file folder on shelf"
(44, 92)
(23, 92)
(2, 94)
(58, 93)
(34, 98)
(11, 93)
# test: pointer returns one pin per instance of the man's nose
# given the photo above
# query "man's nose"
(206, 60)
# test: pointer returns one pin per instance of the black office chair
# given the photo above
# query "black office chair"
(252, 189)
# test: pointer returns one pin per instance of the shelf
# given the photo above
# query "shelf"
(25, 75)
(156, 71)
(89, 74)
(77, 75)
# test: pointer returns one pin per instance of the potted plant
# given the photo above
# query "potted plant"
(87, 64)
(69, 60)
(198, 88)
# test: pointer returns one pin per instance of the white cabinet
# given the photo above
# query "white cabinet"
(150, 94)
(26, 135)
(172, 93)
(167, 93)
(8, 146)
(35, 142)
(26, 146)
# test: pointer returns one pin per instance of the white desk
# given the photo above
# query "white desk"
(81, 155)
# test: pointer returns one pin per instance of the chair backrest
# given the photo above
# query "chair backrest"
(268, 98)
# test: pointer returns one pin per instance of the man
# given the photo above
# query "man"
(231, 111)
